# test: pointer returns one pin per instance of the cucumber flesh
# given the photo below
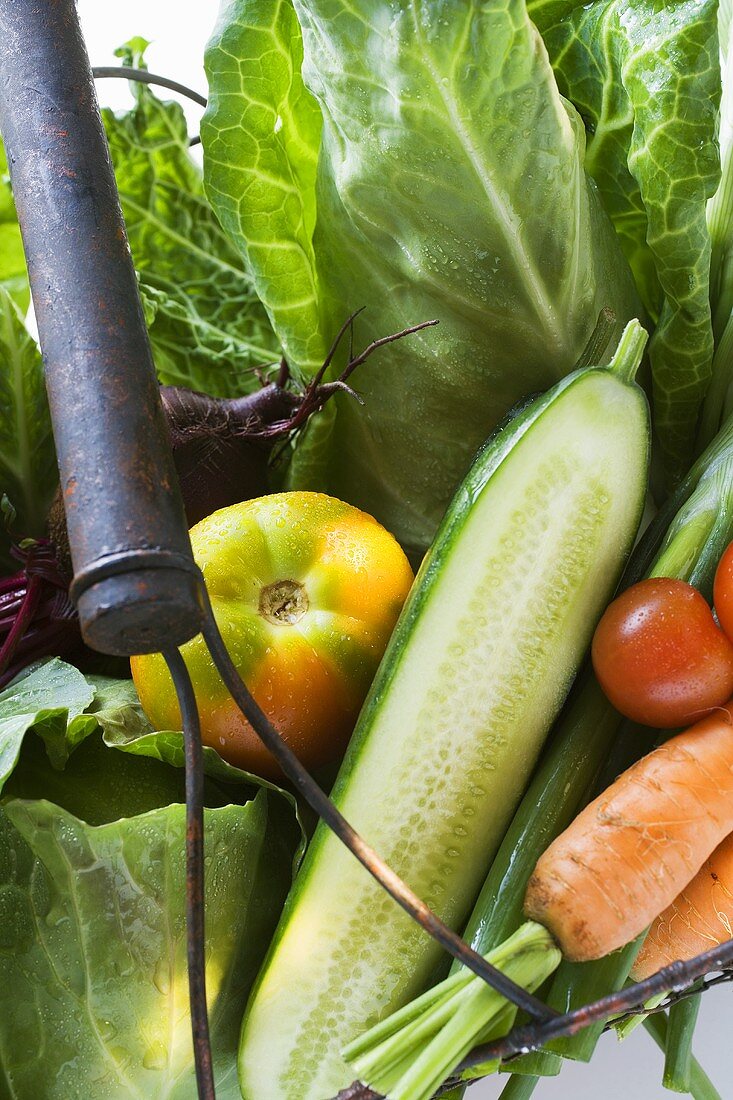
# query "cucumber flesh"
(480, 663)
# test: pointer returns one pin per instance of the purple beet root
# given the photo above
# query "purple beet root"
(222, 449)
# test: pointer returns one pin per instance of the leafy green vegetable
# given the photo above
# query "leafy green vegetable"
(720, 208)
(13, 275)
(261, 136)
(97, 784)
(645, 77)
(718, 403)
(68, 762)
(450, 185)
(199, 350)
(92, 928)
(45, 696)
(207, 327)
(27, 458)
(92, 947)
(124, 726)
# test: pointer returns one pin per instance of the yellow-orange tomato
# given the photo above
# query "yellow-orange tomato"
(306, 591)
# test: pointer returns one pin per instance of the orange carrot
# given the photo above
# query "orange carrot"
(699, 918)
(629, 853)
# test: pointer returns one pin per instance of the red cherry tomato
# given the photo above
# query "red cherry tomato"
(723, 591)
(659, 656)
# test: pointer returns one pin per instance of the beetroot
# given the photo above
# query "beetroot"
(222, 448)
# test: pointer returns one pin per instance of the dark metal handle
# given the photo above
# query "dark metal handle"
(117, 475)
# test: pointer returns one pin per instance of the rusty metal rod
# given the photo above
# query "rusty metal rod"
(135, 584)
(673, 978)
(195, 930)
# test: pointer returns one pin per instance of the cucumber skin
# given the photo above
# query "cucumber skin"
(488, 460)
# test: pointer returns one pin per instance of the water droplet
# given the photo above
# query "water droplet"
(161, 975)
(155, 1057)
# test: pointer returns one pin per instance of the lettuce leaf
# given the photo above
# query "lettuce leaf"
(646, 79)
(207, 326)
(92, 947)
(28, 474)
(450, 184)
(13, 273)
(92, 889)
(261, 135)
(48, 696)
(80, 725)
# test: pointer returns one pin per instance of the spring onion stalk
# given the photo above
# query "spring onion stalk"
(685, 541)
(519, 1088)
(678, 1049)
(463, 1012)
(538, 1063)
(625, 1027)
(577, 984)
(701, 1087)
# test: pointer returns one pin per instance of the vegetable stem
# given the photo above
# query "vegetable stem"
(519, 1087)
(624, 1027)
(701, 1087)
(410, 1063)
(628, 354)
(678, 1048)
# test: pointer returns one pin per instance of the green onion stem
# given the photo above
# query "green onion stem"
(410, 1064)
(538, 1063)
(388, 1053)
(577, 984)
(625, 1027)
(405, 1016)
(678, 1048)
(701, 1087)
(519, 1088)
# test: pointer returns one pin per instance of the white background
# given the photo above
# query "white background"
(178, 30)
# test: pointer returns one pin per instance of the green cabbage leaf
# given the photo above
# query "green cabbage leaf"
(207, 326)
(646, 79)
(13, 274)
(28, 473)
(92, 894)
(449, 184)
(93, 949)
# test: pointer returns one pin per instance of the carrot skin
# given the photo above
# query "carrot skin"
(699, 918)
(630, 852)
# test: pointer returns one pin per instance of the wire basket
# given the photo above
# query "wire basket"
(136, 586)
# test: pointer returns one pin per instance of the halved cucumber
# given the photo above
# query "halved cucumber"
(480, 663)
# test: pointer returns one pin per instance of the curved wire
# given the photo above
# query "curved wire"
(366, 855)
(675, 978)
(100, 72)
(195, 942)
